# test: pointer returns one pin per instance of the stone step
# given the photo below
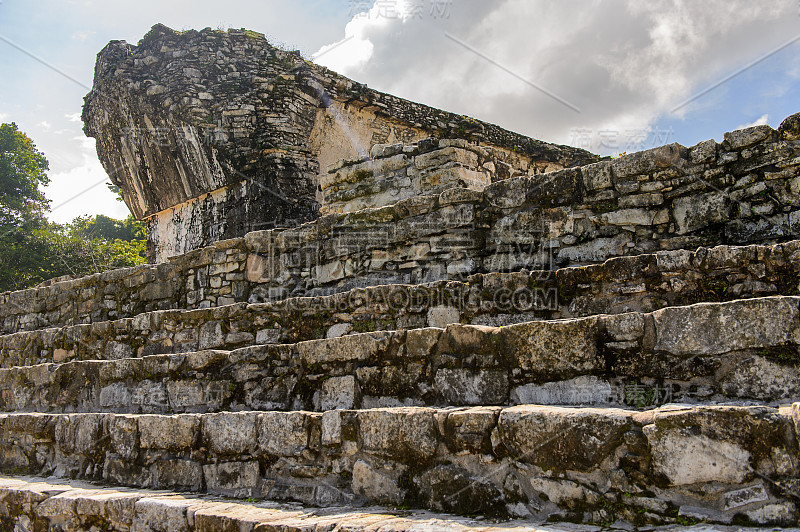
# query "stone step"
(72, 506)
(30, 503)
(623, 284)
(715, 463)
(741, 191)
(708, 352)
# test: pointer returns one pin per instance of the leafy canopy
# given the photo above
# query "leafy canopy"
(33, 249)
(22, 169)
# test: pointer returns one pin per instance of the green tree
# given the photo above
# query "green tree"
(70, 250)
(33, 249)
(22, 206)
(22, 169)
(107, 228)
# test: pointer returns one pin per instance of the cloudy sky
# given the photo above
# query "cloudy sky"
(611, 76)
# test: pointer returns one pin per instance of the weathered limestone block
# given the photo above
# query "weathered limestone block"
(584, 390)
(174, 433)
(703, 152)
(741, 138)
(237, 479)
(124, 432)
(70, 506)
(177, 474)
(441, 316)
(378, 484)
(693, 446)
(79, 433)
(596, 250)
(764, 378)
(695, 212)
(19, 432)
(162, 513)
(468, 159)
(560, 349)
(438, 180)
(562, 438)
(357, 347)
(230, 433)
(469, 429)
(790, 127)
(285, 433)
(460, 339)
(451, 488)
(405, 435)
(746, 324)
(629, 217)
(339, 393)
(470, 387)
(363, 171)
(597, 176)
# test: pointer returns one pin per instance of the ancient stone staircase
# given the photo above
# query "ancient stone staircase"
(611, 343)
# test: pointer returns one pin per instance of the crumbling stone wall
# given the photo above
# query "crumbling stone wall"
(214, 134)
(744, 349)
(742, 190)
(546, 460)
(641, 283)
(398, 172)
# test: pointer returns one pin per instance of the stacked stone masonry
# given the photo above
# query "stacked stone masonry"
(716, 352)
(478, 323)
(742, 191)
(398, 172)
(212, 134)
(711, 462)
(639, 283)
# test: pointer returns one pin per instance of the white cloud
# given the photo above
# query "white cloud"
(82, 189)
(624, 63)
(760, 121)
(349, 53)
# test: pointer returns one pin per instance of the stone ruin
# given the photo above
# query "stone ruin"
(212, 135)
(367, 314)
